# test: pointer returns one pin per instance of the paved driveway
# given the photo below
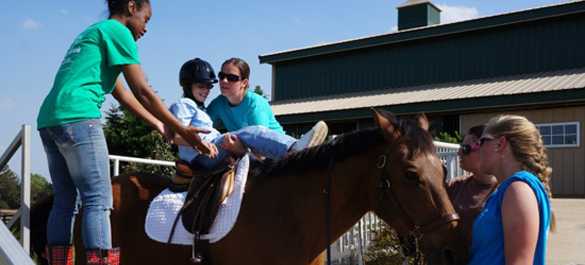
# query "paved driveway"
(567, 245)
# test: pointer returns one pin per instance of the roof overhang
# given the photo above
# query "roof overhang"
(551, 87)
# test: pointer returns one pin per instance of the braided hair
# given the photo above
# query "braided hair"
(526, 146)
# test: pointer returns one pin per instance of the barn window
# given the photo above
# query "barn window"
(562, 134)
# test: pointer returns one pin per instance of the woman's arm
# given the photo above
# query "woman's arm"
(520, 219)
(177, 139)
(151, 102)
(127, 99)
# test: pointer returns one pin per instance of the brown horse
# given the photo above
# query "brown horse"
(392, 170)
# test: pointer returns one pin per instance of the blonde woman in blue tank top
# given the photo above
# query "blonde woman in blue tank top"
(513, 226)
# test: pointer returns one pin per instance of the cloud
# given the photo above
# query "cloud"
(64, 12)
(457, 13)
(7, 104)
(31, 24)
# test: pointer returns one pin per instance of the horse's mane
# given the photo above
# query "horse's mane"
(319, 156)
(343, 146)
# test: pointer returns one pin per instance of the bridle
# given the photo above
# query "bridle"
(385, 187)
(417, 233)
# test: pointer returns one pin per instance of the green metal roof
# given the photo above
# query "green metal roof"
(554, 98)
(429, 32)
(560, 87)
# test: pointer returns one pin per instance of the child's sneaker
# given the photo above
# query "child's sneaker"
(313, 137)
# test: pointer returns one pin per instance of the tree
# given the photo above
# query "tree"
(129, 136)
(10, 189)
(258, 90)
(446, 137)
(385, 249)
(40, 188)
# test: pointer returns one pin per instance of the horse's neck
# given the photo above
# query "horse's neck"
(352, 182)
(298, 202)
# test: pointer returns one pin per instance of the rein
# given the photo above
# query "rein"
(419, 230)
(327, 192)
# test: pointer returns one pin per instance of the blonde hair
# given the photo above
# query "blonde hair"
(526, 146)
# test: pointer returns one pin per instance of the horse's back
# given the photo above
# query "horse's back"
(132, 187)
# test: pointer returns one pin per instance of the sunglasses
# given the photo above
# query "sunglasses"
(467, 149)
(229, 77)
(485, 139)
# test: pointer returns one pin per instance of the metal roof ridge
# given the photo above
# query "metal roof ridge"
(416, 29)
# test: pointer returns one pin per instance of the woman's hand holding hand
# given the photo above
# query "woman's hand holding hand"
(191, 135)
(233, 144)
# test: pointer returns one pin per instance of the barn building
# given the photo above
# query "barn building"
(530, 62)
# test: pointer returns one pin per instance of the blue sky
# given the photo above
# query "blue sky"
(36, 34)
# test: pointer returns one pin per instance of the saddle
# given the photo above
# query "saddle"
(206, 191)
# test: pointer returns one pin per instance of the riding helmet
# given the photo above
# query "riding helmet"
(196, 71)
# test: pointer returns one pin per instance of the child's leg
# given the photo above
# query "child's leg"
(265, 142)
(211, 163)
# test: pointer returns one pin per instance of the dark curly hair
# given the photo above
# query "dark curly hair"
(117, 7)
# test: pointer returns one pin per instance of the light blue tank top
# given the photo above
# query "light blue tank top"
(488, 234)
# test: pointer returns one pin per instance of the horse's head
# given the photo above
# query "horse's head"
(411, 196)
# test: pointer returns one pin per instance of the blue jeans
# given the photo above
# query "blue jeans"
(78, 162)
(259, 139)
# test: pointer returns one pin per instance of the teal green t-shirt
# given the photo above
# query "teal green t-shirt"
(88, 72)
(253, 110)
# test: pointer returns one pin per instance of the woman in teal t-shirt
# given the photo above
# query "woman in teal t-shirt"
(238, 107)
(513, 226)
(72, 135)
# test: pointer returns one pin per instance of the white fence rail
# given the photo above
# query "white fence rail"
(11, 252)
(117, 159)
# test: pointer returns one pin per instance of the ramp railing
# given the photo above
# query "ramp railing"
(11, 252)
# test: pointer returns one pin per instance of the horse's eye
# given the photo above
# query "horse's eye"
(412, 175)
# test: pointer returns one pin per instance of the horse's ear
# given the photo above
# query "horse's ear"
(387, 122)
(422, 121)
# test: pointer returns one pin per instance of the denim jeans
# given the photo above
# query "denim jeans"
(78, 163)
(259, 139)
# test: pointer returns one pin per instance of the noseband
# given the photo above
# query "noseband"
(385, 186)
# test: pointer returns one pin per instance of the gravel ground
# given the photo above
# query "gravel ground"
(567, 245)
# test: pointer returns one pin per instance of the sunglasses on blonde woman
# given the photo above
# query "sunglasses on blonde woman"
(485, 139)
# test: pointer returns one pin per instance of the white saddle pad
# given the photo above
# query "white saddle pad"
(164, 209)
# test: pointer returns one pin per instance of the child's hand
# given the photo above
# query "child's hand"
(233, 144)
(208, 149)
